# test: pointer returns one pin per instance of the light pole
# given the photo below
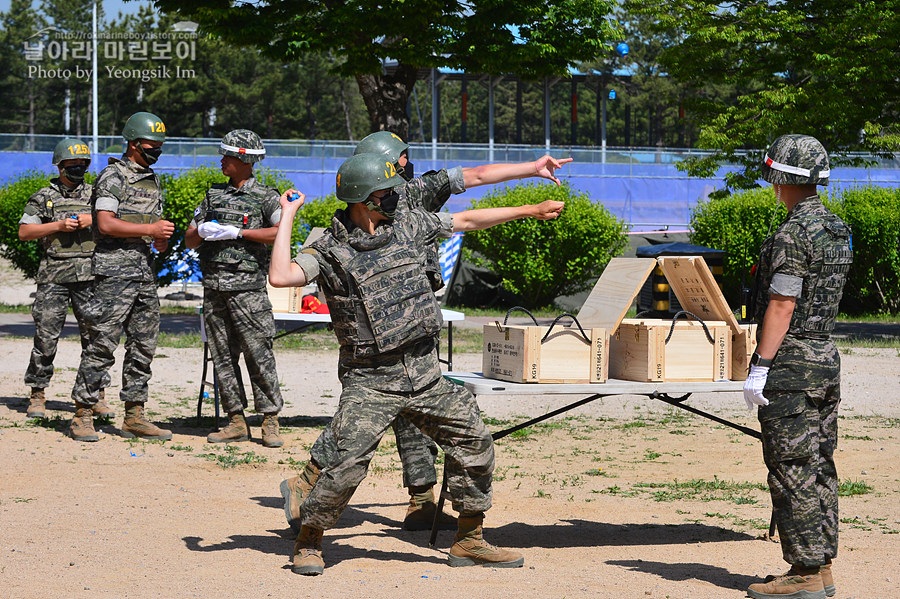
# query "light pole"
(94, 99)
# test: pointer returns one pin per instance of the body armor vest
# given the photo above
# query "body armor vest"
(70, 244)
(140, 202)
(817, 307)
(389, 302)
(243, 211)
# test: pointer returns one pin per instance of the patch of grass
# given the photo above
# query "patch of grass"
(651, 455)
(702, 490)
(522, 433)
(739, 521)
(856, 438)
(179, 340)
(178, 310)
(846, 343)
(596, 472)
(17, 308)
(888, 318)
(180, 447)
(233, 457)
(848, 487)
(639, 423)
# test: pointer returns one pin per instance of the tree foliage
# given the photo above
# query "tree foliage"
(823, 68)
(529, 38)
(542, 260)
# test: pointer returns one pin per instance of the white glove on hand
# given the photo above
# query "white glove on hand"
(214, 231)
(753, 386)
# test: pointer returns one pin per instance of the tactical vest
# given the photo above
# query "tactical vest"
(389, 302)
(816, 309)
(140, 202)
(244, 211)
(69, 244)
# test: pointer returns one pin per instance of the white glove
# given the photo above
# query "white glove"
(214, 231)
(753, 386)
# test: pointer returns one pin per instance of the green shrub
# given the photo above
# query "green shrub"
(542, 260)
(737, 224)
(315, 213)
(24, 255)
(182, 193)
(873, 214)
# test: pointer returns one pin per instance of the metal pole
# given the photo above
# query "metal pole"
(434, 115)
(94, 99)
(490, 119)
(603, 130)
(547, 115)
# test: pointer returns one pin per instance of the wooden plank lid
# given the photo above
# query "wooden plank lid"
(614, 292)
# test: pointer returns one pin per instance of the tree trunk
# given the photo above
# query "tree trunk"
(346, 108)
(386, 98)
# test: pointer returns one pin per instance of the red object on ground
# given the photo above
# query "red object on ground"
(312, 305)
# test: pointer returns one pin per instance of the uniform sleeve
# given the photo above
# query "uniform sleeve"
(790, 261)
(272, 208)
(35, 210)
(426, 227)
(107, 191)
(457, 182)
(308, 260)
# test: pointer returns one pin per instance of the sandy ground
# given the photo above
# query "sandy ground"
(624, 498)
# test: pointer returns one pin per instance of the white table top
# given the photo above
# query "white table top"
(448, 315)
(479, 385)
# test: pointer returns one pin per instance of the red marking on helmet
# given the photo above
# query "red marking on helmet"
(242, 151)
(769, 161)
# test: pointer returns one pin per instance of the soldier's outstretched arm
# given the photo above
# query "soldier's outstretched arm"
(30, 231)
(282, 271)
(483, 218)
(488, 174)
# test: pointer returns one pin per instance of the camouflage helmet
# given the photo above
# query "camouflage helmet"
(71, 148)
(243, 144)
(144, 125)
(796, 160)
(362, 174)
(382, 142)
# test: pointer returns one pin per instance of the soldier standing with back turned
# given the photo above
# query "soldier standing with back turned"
(795, 374)
(60, 216)
(231, 229)
(127, 206)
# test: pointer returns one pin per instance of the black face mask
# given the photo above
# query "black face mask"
(75, 172)
(407, 171)
(150, 155)
(388, 205)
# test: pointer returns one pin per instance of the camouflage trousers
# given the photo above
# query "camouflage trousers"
(119, 305)
(241, 322)
(799, 432)
(444, 411)
(417, 453)
(51, 304)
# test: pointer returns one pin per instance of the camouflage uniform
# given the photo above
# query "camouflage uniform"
(808, 257)
(417, 451)
(125, 294)
(390, 368)
(63, 278)
(236, 307)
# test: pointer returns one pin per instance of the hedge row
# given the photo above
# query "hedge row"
(739, 223)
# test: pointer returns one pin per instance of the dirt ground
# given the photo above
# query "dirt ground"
(625, 497)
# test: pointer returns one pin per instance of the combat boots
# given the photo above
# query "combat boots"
(82, 426)
(470, 548)
(235, 431)
(270, 436)
(421, 511)
(797, 583)
(136, 425)
(827, 579)
(101, 409)
(294, 491)
(37, 406)
(308, 552)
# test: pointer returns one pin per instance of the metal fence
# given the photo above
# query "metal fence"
(451, 153)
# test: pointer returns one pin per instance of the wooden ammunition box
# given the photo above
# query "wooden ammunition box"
(285, 299)
(521, 354)
(639, 351)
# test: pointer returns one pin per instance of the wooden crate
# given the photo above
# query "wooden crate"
(639, 352)
(517, 354)
(699, 293)
(285, 299)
